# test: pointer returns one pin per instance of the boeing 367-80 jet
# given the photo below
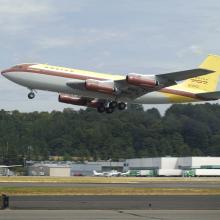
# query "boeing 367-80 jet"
(109, 92)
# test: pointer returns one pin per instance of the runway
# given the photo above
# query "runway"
(189, 184)
(109, 214)
(116, 202)
(113, 201)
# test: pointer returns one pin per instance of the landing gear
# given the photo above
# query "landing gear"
(109, 110)
(31, 95)
(111, 106)
(121, 105)
(101, 109)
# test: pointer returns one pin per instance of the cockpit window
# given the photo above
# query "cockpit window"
(18, 66)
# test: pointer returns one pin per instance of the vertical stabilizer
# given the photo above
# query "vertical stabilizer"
(209, 82)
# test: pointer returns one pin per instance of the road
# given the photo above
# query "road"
(109, 214)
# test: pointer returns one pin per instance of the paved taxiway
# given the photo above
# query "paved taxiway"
(166, 202)
(110, 215)
(187, 184)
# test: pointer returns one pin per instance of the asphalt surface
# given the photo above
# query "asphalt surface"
(186, 184)
(116, 202)
(110, 215)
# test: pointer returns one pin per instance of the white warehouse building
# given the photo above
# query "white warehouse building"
(171, 162)
(198, 162)
(152, 163)
(176, 166)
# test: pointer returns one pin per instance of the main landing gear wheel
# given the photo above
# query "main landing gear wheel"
(109, 110)
(113, 104)
(101, 109)
(121, 105)
(31, 95)
(111, 107)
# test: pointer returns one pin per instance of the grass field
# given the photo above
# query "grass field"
(105, 191)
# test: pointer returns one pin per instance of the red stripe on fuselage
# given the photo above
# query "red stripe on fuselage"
(53, 73)
(181, 93)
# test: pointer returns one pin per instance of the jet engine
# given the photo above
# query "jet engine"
(142, 80)
(68, 99)
(72, 100)
(100, 86)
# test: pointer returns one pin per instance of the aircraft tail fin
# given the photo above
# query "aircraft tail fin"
(208, 82)
(95, 173)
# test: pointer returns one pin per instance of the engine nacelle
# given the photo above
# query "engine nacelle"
(100, 86)
(68, 99)
(142, 80)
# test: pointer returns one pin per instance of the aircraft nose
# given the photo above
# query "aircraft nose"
(3, 72)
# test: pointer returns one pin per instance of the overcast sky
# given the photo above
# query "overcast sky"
(117, 36)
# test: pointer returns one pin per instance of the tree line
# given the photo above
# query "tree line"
(184, 130)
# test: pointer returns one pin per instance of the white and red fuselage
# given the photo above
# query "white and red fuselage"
(56, 79)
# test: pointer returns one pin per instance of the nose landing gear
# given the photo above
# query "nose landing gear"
(31, 95)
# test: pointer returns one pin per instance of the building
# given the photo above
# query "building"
(109, 165)
(87, 168)
(198, 162)
(155, 166)
(152, 163)
(40, 169)
(4, 171)
(84, 169)
(171, 162)
(176, 166)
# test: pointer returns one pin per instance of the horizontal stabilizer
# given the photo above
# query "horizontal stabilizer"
(209, 95)
(185, 74)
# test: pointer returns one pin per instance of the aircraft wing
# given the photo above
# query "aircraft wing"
(185, 74)
(128, 91)
(164, 80)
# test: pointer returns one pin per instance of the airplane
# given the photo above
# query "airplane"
(107, 174)
(95, 173)
(107, 92)
(127, 173)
